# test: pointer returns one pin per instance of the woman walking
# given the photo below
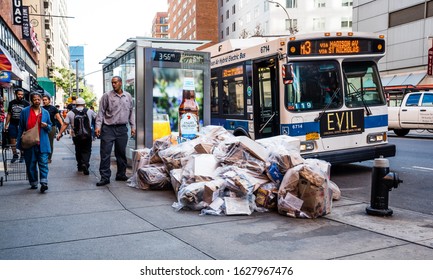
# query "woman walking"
(36, 157)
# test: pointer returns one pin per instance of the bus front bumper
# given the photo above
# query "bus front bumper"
(354, 155)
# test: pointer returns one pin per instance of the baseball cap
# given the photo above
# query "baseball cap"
(80, 101)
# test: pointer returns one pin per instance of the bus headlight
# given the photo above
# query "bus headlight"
(376, 137)
(307, 146)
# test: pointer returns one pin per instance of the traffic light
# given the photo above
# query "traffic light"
(50, 72)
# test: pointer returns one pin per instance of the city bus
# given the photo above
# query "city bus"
(323, 88)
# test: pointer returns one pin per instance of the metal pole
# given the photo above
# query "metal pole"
(76, 77)
(288, 17)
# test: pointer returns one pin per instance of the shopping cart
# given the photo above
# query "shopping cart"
(13, 171)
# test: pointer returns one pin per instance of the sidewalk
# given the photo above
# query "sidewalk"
(75, 219)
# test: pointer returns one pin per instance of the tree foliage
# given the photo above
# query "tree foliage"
(65, 79)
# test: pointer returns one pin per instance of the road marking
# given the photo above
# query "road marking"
(418, 168)
(423, 168)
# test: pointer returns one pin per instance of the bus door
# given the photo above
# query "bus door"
(266, 115)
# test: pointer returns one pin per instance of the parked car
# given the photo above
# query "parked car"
(415, 112)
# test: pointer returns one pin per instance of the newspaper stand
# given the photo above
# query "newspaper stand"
(15, 171)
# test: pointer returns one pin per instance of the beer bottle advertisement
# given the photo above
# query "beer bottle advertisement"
(188, 109)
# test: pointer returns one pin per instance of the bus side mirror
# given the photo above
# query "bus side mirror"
(287, 72)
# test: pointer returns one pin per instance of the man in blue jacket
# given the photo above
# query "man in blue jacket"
(37, 155)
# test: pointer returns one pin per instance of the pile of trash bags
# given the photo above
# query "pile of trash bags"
(220, 174)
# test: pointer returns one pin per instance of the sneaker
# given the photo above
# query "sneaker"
(15, 158)
(44, 188)
(33, 187)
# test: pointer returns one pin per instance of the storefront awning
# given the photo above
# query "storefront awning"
(409, 79)
(8, 64)
(47, 85)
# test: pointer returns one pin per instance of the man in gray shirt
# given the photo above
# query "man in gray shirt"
(116, 110)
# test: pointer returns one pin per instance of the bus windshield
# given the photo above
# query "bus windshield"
(362, 84)
(317, 85)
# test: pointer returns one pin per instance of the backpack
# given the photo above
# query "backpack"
(82, 128)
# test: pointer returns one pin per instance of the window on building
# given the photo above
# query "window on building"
(222, 18)
(407, 15)
(346, 22)
(291, 4)
(430, 9)
(256, 12)
(227, 31)
(318, 24)
(266, 6)
(222, 3)
(347, 3)
(222, 33)
(291, 24)
(233, 9)
(248, 18)
(227, 14)
(234, 27)
(319, 3)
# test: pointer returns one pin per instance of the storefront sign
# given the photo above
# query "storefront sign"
(17, 12)
(26, 23)
(5, 76)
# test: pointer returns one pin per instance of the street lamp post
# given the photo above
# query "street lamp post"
(291, 29)
(76, 77)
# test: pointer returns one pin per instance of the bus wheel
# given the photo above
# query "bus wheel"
(240, 132)
(401, 132)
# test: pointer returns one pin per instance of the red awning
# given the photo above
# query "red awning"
(7, 63)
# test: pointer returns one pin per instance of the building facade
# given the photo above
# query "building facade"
(193, 19)
(160, 25)
(408, 29)
(77, 59)
(19, 49)
(246, 18)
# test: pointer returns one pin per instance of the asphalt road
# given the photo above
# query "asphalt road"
(414, 165)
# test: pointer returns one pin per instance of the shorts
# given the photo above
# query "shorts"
(13, 131)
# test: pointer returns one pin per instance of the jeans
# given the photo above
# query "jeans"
(34, 159)
(1, 130)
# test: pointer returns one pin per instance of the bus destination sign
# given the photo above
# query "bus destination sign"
(336, 46)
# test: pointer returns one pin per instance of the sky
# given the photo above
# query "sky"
(103, 25)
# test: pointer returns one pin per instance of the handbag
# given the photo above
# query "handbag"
(30, 137)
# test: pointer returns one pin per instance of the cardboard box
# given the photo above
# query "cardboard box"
(237, 206)
(203, 148)
(253, 147)
(204, 166)
(211, 190)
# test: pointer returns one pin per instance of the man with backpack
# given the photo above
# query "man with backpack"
(80, 120)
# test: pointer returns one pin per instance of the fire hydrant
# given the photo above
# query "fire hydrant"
(382, 182)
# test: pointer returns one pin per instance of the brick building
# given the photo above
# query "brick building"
(193, 19)
(160, 25)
